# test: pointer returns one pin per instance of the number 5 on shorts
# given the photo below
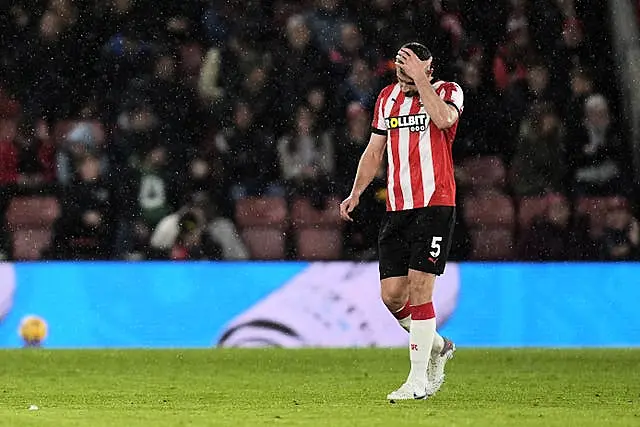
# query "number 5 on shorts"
(435, 245)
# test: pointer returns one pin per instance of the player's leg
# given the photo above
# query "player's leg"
(421, 334)
(423, 325)
(394, 256)
(429, 257)
(395, 295)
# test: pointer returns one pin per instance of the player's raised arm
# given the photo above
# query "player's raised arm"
(368, 166)
(443, 114)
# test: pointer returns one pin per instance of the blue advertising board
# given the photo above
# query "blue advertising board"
(554, 304)
(293, 304)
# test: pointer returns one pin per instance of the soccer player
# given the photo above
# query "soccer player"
(415, 120)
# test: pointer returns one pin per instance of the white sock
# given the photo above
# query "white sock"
(438, 344)
(423, 328)
(403, 316)
(405, 323)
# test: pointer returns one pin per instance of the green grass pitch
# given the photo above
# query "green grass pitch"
(215, 387)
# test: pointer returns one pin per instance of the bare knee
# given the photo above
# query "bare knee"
(394, 292)
(394, 302)
(421, 286)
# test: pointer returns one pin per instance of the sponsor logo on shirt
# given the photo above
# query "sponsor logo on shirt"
(415, 122)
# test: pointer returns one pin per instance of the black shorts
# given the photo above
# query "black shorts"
(417, 239)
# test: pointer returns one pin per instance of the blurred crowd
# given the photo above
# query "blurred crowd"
(144, 124)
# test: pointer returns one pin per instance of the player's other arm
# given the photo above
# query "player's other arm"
(443, 114)
(368, 167)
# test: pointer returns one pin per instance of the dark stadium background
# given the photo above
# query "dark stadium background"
(239, 125)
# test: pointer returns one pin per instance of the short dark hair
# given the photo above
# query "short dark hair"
(421, 51)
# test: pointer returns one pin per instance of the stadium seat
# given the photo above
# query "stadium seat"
(529, 208)
(9, 106)
(490, 217)
(32, 212)
(595, 209)
(317, 233)
(262, 222)
(8, 129)
(261, 211)
(264, 243)
(304, 214)
(593, 206)
(495, 244)
(28, 244)
(317, 243)
(485, 172)
(489, 209)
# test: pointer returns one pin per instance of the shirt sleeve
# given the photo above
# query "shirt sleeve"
(452, 94)
(378, 124)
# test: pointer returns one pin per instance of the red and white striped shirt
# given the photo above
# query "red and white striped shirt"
(420, 170)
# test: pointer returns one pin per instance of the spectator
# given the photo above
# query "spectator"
(325, 22)
(539, 162)
(557, 235)
(210, 89)
(136, 132)
(595, 45)
(84, 230)
(160, 87)
(258, 91)
(306, 157)
(510, 62)
(205, 173)
(383, 21)
(320, 105)
(198, 230)
(27, 161)
(85, 136)
(597, 151)
(155, 184)
(452, 36)
(224, 69)
(16, 38)
(520, 95)
(621, 239)
(217, 22)
(126, 46)
(580, 88)
(361, 86)
(190, 62)
(350, 48)
(572, 49)
(154, 194)
(351, 144)
(248, 155)
(474, 135)
(546, 19)
(362, 234)
(486, 23)
(179, 121)
(299, 65)
(191, 242)
(50, 93)
(239, 57)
